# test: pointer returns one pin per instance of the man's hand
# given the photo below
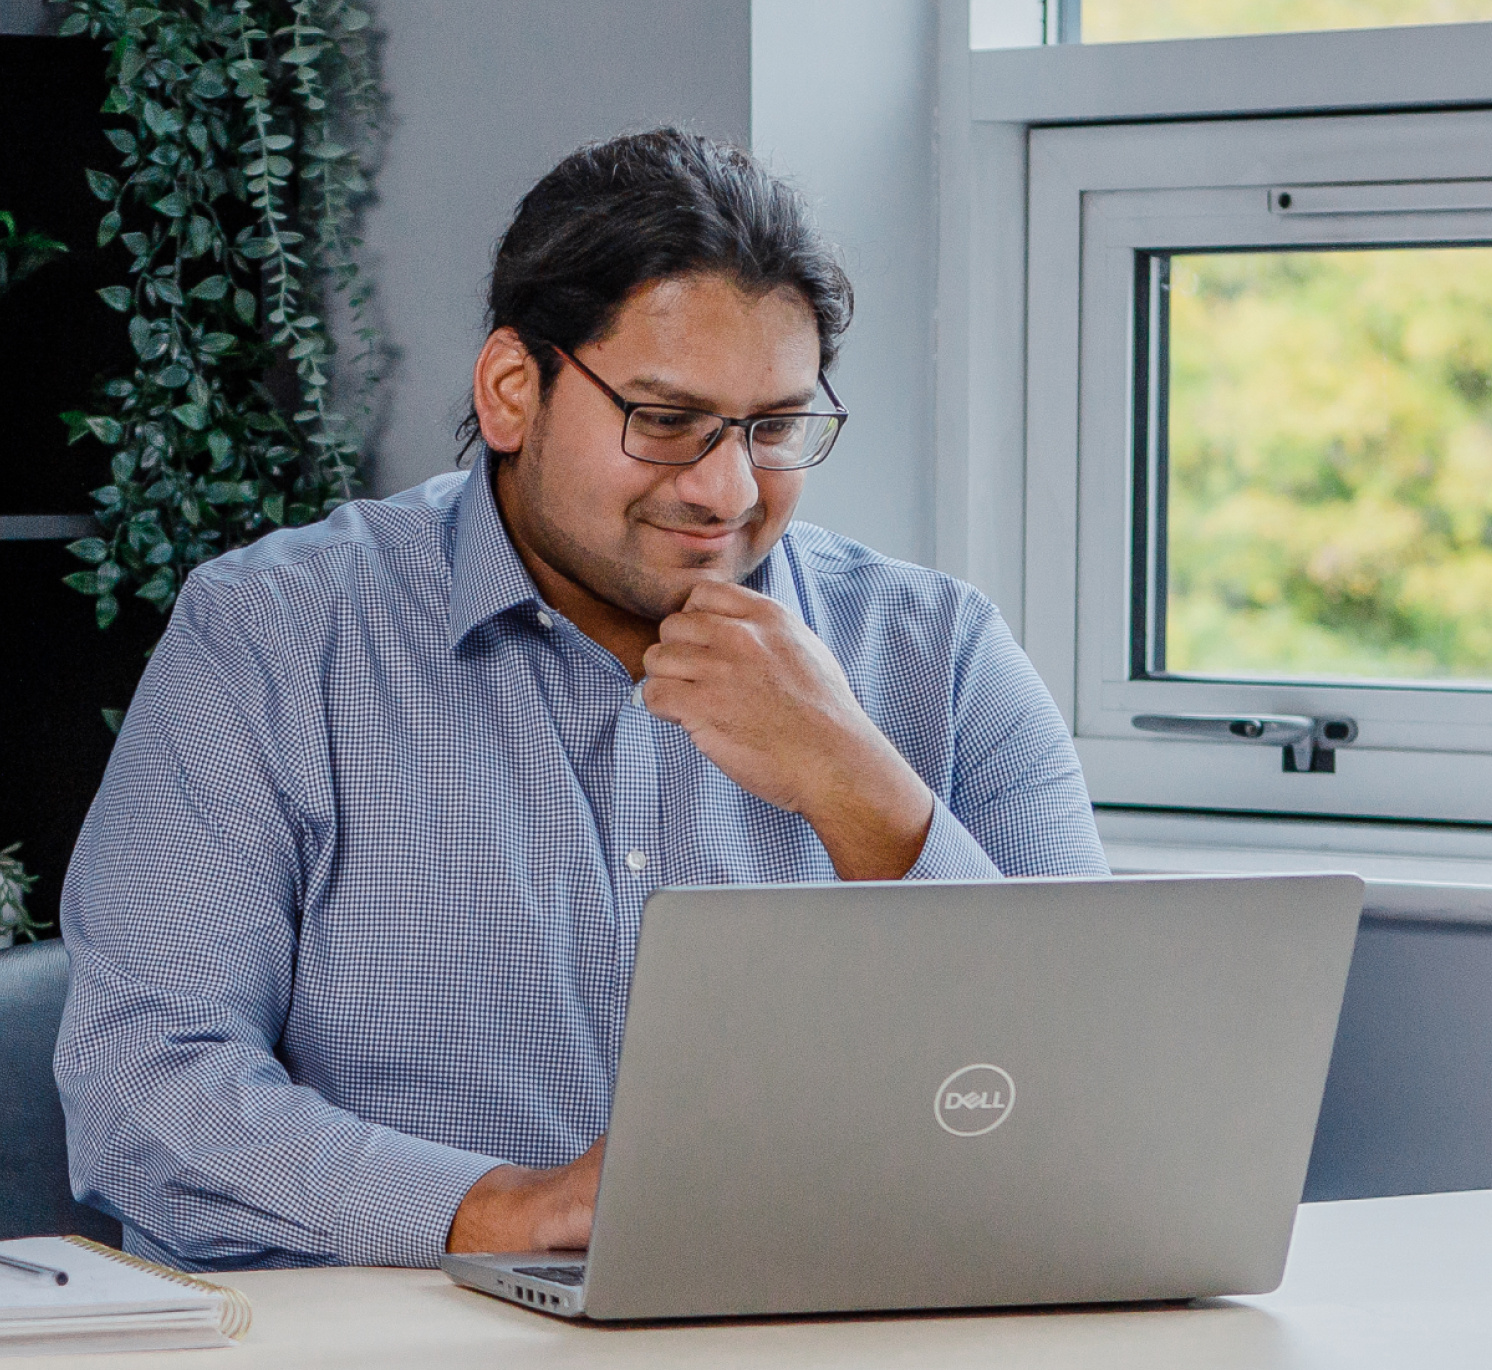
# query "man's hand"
(766, 701)
(513, 1208)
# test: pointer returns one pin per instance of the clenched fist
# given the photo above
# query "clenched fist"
(766, 701)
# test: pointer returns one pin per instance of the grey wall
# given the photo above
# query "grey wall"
(486, 95)
(842, 101)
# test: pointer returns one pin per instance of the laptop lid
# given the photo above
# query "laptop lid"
(923, 1095)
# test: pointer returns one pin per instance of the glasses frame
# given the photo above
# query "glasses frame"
(747, 424)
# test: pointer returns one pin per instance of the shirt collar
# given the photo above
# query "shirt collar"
(775, 579)
(488, 577)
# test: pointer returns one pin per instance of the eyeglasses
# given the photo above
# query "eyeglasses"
(672, 435)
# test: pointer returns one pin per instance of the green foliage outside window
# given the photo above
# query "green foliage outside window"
(245, 131)
(1122, 21)
(1330, 509)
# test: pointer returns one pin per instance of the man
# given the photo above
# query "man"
(353, 915)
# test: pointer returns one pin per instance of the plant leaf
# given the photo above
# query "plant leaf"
(231, 492)
(106, 430)
(193, 416)
(159, 589)
(105, 187)
(118, 297)
(174, 205)
(91, 550)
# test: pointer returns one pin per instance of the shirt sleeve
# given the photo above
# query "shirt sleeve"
(180, 913)
(1016, 795)
(951, 852)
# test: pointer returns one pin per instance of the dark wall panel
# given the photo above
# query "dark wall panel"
(57, 671)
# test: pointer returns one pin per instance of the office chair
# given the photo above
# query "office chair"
(35, 1197)
(1408, 1106)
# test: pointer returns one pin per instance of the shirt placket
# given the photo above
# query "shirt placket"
(636, 842)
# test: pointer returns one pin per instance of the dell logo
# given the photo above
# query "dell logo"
(974, 1100)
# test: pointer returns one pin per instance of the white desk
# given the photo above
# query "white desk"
(1373, 1283)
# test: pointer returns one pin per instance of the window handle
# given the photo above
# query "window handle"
(1308, 744)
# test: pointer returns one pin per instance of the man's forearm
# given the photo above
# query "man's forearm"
(871, 811)
(207, 1146)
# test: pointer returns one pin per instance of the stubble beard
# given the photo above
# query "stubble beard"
(621, 580)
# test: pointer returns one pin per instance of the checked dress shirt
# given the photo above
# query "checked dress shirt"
(352, 917)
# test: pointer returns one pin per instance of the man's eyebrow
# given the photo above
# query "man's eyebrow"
(668, 393)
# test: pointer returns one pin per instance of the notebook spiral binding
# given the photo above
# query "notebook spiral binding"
(236, 1312)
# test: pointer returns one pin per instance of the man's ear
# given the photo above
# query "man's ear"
(505, 389)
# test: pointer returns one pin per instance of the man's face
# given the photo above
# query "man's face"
(638, 536)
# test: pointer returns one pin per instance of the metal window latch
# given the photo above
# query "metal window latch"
(1308, 744)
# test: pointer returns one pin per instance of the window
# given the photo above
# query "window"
(1125, 21)
(1026, 23)
(1322, 464)
(1259, 408)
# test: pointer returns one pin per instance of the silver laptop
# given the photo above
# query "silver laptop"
(928, 1095)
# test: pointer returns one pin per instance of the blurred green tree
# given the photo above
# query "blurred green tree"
(1124, 21)
(1330, 508)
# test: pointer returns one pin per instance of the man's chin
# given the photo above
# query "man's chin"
(670, 593)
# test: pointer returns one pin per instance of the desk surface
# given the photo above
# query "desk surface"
(1371, 1283)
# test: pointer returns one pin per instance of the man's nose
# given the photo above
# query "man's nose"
(723, 480)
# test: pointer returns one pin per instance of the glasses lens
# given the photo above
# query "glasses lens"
(671, 437)
(793, 440)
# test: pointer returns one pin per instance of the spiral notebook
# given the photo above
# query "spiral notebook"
(110, 1302)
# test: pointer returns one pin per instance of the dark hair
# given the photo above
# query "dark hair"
(644, 207)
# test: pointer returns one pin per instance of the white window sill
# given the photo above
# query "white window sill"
(1414, 872)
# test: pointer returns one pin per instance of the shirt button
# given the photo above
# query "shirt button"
(544, 620)
(637, 859)
(637, 696)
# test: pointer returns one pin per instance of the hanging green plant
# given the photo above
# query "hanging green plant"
(23, 253)
(247, 129)
(15, 885)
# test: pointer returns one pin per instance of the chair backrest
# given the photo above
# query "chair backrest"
(35, 1196)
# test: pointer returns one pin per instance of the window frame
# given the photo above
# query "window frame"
(1206, 185)
(1008, 508)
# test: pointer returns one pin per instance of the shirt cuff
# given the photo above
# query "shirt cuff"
(950, 851)
(401, 1198)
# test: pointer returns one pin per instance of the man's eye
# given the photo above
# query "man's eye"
(777, 430)
(667, 423)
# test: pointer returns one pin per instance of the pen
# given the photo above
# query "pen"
(34, 1271)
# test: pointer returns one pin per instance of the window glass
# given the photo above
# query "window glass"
(1327, 464)
(1126, 21)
